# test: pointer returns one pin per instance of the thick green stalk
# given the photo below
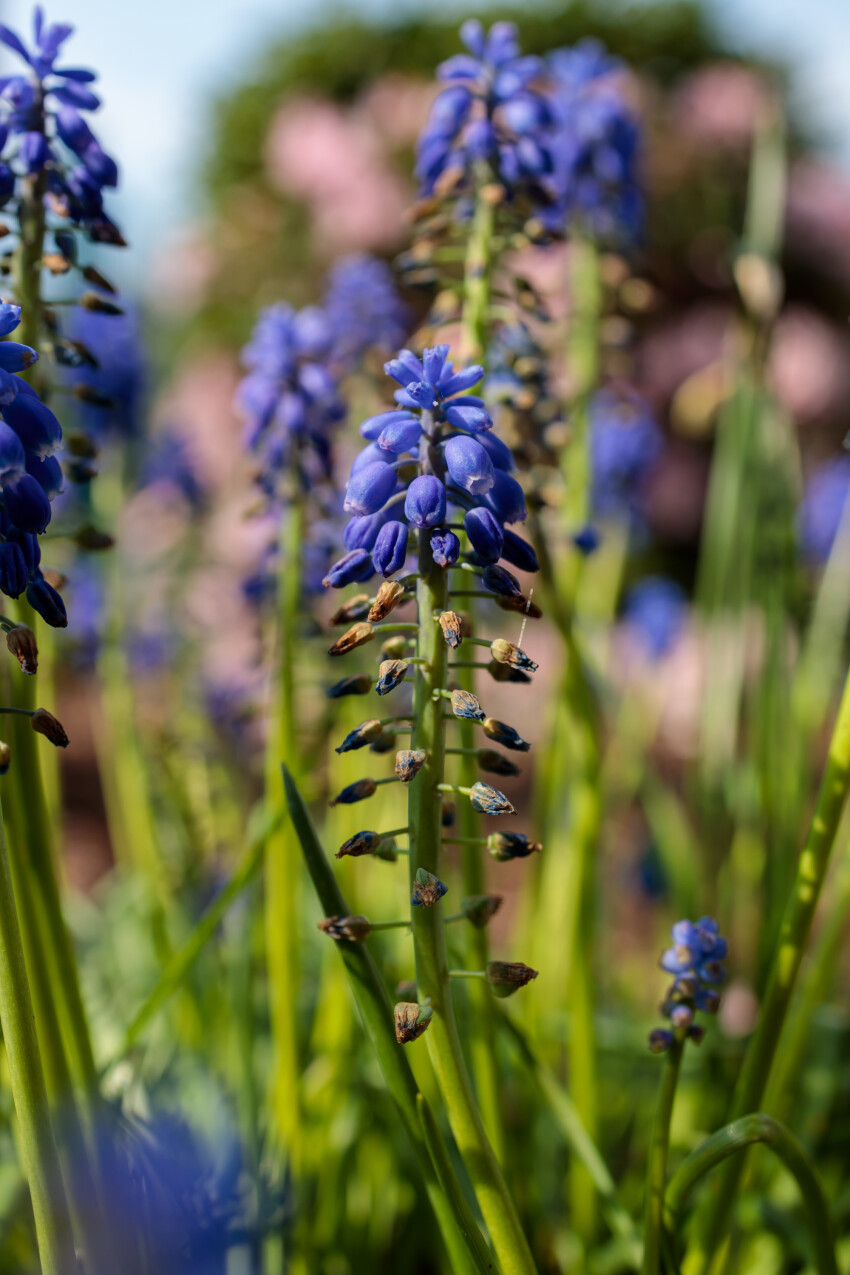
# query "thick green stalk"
(656, 1176)
(38, 1145)
(478, 278)
(281, 911)
(713, 1223)
(739, 1136)
(463, 1240)
(583, 369)
(429, 933)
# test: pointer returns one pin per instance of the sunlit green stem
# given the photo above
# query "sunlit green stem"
(656, 1177)
(432, 976)
(38, 1145)
(738, 1136)
(281, 911)
(755, 1074)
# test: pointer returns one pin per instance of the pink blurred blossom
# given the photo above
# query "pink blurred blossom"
(720, 105)
(183, 271)
(810, 366)
(200, 400)
(397, 107)
(333, 159)
(818, 216)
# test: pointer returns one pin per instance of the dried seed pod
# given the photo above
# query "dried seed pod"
(452, 626)
(356, 684)
(389, 596)
(464, 704)
(409, 762)
(427, 889)
(356, 608)
(507, 977)
(411, 1020)
(481, 908)
(521, 604)
(385, 743)
(504, 652)
(511, 845)
(393, 648)
(505, 735)
(361, 843)
(489, 801)
(366, 733)
(355, 792)
(357, 635)
(495, 763)
(21, 642)
(390, 673)
(352, 929)
(46, 724)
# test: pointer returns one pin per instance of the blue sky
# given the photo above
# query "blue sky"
(162, 61)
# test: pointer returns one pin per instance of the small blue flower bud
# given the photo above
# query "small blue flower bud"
(445, 548)
(33, 422)
(495, 763)
(499, 452)
(425, 503)
(660, 1040)
(390, 548)
(350, 569)
(374, 426)
(400, 436)
(44, 599)
(13, 570)
(427, 889)
(468, 416)
(464, 704)
(350, 929)
(361, 843)
(469, 465)
(489, 801)
(498, 580)
(586, 540)
(365, 733)
(505, 498)
(361, 533)
(27, 505)
(369, 489)
(519, 553)
(485, 534)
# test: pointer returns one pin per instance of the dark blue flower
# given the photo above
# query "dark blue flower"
(485, 535)
(425, 502)
(390, 549)
(352, 568)
(696, 962)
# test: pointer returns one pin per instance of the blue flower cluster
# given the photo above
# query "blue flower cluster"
(43, 132)
(364, 309)
(655, 611)
(625, 443)
(434, 451)
(30, 476)
(488, 115)
(594, 144)
(696, 962)
(290, 397)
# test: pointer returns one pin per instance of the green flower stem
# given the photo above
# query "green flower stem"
(738, 1136)
(37, 1142)
(478, 276)
(465, 973)
(753, 1080)
(467, 1251)
(432, 976)
(656, 1177)
(583, 368)
(281, 902)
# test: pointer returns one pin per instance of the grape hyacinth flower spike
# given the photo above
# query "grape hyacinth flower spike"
(429, 503)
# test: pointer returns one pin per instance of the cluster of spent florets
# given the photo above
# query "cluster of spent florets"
(696, 961)
(433, 478)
